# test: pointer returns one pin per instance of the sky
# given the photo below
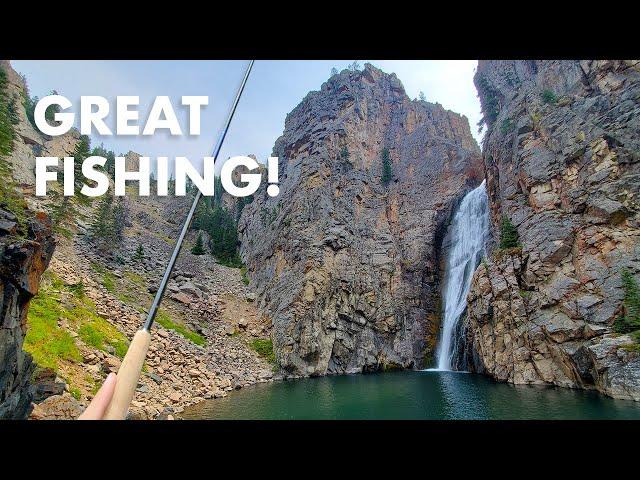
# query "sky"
(273, 90)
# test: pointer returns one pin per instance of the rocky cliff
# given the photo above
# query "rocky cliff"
(24, 255)
(26, 246)
(562, 163)
(345, 260)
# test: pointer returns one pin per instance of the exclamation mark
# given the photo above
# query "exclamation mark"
(273, 189)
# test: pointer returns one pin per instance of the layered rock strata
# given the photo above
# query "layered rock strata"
(562, 161)
(345, 260)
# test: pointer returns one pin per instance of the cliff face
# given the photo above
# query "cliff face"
(345, 264)
(22, 262)
(26, 246)
(562, 162)
(29, 142)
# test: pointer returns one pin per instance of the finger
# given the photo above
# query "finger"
(101, 401)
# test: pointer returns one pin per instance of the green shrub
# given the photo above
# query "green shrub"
(387, 169)
(243, 272)
(75, 392)
(264, 348)
(488, 101)
(8, 117)
(77, 289)
(629, 321)
(549, 97)
(109, 281)
(10, 199)
(508, 234)
(163, 318)
(138, 256)
(506, 126)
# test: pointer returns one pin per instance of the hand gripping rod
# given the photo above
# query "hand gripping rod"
(129, 371)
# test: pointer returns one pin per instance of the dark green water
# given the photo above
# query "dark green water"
(410, 395)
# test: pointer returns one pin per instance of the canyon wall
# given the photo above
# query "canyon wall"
(562, 163)
(26, 246)
(345, 260)
(24, 256)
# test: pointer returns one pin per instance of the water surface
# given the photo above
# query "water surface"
(432, 395)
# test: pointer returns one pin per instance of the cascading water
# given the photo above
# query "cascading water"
(468, 235)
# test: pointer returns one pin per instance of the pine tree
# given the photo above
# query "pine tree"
(13, 111)
(224, 236)
(508, 234)
(51, 110)
(139, 255)
(60, 212)
(110, 164)
(101, 229)
(422, 97)
(30, 107)
(334, 71)
(218, 190)
(198, 248)
(7, 117)
(387, 170)
(629, 321)
(82, 151)
(110, 220)
(213, 217)
(83, 148)
(119, 219)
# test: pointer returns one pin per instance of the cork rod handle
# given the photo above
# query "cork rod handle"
(128, 376)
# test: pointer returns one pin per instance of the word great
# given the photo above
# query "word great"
(94, 109)
(93, 169)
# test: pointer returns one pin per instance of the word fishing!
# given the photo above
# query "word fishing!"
(162, 116)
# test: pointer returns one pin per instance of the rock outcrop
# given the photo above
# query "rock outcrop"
(562, 158)
(24, 255)
(30, 142)
(345, 260)
(26, 246)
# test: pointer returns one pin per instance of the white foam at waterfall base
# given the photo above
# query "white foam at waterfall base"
(468, 234)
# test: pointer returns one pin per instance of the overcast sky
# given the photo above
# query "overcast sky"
(273, 90)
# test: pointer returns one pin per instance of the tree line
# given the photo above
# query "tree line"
(221, 225)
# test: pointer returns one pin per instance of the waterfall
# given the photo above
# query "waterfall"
(467, 237)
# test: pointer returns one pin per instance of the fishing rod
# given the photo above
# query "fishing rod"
(129, 371)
